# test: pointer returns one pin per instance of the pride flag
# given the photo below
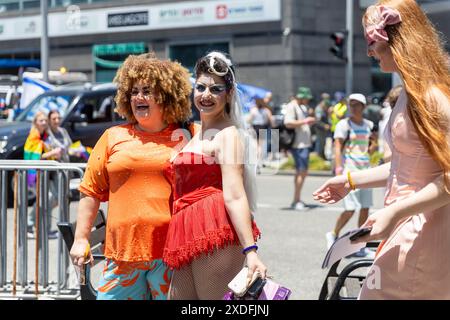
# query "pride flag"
(77, 148)
(34, 146)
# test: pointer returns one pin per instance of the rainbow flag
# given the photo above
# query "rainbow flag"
(34, 146)
(79, 149)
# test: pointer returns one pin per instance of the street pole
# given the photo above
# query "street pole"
(349, 27)
(44, 41)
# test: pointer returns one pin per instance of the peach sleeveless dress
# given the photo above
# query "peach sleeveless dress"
(414, 262)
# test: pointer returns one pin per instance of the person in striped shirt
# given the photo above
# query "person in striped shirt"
(352, 137)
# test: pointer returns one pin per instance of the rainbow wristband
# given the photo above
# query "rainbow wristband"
(244, 251)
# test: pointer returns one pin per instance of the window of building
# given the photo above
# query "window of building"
(31, 4)
(65, 3)
(9, 6)
(188, 54)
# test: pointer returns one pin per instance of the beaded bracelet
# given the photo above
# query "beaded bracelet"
(244, 251)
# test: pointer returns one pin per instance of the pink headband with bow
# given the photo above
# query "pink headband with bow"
(381, 16)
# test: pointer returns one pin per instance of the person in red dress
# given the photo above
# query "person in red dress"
(212, 233)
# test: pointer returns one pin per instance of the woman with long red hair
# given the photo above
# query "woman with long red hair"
(413, 260)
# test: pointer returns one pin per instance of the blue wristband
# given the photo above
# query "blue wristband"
(244, 251)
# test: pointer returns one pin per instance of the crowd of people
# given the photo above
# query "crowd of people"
(47, 140)
(323, 130)
(182, 196)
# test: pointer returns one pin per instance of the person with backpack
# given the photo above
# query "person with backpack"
(352, 138)
(297, 117)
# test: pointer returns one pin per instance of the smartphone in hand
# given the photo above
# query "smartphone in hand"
(360, 233)
(239, 284)
(255, 289)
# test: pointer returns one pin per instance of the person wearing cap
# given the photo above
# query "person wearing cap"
(352, 136)
(297, 117)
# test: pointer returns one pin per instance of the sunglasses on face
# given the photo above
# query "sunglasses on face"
(215, 89)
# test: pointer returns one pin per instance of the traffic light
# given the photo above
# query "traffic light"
(338, 47)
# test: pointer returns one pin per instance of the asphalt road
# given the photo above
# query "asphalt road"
(292, 245)
(293, 242)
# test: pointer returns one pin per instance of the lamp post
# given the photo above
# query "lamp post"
(44, 41)
(349, 65)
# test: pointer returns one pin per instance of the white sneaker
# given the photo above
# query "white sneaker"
(331, 238)
(299, 206)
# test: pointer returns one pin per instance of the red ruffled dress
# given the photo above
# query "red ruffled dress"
(200, 222)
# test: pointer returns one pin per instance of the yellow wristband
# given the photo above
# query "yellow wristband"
(350, 181)
(88, 249)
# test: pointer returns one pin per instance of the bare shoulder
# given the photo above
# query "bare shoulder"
(226, 135)
(229, 144)
(228, 132)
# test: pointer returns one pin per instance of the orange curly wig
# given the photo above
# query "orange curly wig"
(169, 81)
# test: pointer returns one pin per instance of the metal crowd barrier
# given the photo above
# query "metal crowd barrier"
(14, 283)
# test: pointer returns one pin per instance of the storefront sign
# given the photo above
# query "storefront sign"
(238, 12)
(119, 49)
(172, 15)
(128, 19)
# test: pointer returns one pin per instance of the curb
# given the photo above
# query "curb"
(310, 173)
(291, 172)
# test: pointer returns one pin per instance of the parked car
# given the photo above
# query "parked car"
(9, 93)
(86, 113)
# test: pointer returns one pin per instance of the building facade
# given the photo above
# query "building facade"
(276, 44)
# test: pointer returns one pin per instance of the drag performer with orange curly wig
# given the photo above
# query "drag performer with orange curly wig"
(126, 168)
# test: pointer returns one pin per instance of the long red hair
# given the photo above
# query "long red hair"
(423, 64)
